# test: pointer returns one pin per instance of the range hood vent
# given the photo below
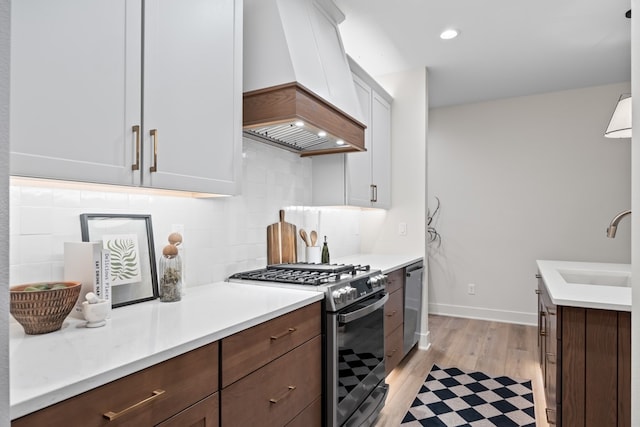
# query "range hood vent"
(298, 89)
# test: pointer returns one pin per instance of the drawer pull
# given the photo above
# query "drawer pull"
(393, 313)
(392, 352)
(282, 335)
(285, 394)
(538, 291)
(113, 415)
(551, 358)
(547, 411)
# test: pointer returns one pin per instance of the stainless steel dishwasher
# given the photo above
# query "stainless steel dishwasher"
(412, 305)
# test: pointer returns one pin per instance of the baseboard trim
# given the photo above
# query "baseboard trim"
(516, 317)
(423, 341)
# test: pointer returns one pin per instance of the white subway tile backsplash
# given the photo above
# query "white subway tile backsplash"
(35, 248)
(35, 220)
(66, 198)
(36, 196)
(222, 236)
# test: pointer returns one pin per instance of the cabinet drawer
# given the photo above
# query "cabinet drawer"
(183, 380)
(276, 393)
(393, 311)
(393, 349)
(395, 280)
(204, 413)
(246, 351)
(311, 416)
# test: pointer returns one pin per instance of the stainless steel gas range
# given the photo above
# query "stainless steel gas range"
(354, 371)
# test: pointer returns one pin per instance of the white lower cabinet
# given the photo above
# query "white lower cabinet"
(103, 91)
(360, 179)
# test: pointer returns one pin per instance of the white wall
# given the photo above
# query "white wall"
(4, 211)
(221, 236)
(522, 179)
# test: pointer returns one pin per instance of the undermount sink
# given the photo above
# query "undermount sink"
(596, 277)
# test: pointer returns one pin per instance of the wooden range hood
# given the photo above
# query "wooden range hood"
(298, 88)
(292, 117)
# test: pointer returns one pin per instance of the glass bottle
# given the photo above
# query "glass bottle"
(170, 275)
(325, 252)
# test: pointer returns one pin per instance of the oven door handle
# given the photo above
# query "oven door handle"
(358, 314)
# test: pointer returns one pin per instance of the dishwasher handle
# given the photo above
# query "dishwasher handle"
(416, 271)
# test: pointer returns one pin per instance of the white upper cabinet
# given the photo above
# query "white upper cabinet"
(192, 95)
(102, 93)
(75, 89)
(360, 179)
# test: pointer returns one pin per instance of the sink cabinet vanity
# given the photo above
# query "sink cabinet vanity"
(585, 356)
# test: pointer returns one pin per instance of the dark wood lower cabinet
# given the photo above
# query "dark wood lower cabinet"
(586, 363)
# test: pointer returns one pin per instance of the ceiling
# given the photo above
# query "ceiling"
(505, 48)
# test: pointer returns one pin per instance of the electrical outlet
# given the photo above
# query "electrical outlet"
(471, 290)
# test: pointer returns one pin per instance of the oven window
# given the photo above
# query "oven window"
(360, 350)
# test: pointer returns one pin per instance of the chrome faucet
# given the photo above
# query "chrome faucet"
(611, 230)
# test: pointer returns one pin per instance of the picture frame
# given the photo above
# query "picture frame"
(129, 238)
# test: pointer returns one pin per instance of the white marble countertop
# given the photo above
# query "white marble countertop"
(385, 262)
(582, 294)
(46, 369)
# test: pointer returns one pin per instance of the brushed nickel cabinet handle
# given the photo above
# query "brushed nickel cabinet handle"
(543, 332)
(375, 193)
(538, 291)
(154, 135)
(538, 276)
(392, 352)
(392, 313)
(371, 187)
(283, 395)
(136, 165)
(284, 334)
(114, 415)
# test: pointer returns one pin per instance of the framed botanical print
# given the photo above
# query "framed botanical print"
(129, 240)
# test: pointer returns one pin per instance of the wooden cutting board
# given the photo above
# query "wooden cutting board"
(281, 242)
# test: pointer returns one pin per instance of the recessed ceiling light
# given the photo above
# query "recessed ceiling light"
(322, 134)
(339, 142)
(449, 34)
(299, 123)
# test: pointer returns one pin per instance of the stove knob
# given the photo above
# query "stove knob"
(350, 292)
(336, 296)
(353, 293)
(373, 281)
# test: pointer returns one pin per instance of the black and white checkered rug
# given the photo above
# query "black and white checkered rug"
(452, 397)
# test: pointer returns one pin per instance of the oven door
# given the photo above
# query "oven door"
(355, 359)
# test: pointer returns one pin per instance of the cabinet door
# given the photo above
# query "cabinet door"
(75, 89)
(381, 151)
(359, 164)
(192, 94)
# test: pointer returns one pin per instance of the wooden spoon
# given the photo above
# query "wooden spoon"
(303, 234)
(314, 237)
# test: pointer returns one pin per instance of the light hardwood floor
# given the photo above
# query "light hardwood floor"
(491, 347)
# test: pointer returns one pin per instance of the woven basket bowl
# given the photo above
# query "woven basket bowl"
(40, 312)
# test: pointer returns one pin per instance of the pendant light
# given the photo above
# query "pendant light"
(620, 123)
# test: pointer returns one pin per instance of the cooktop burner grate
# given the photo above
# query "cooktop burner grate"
(302, 274)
